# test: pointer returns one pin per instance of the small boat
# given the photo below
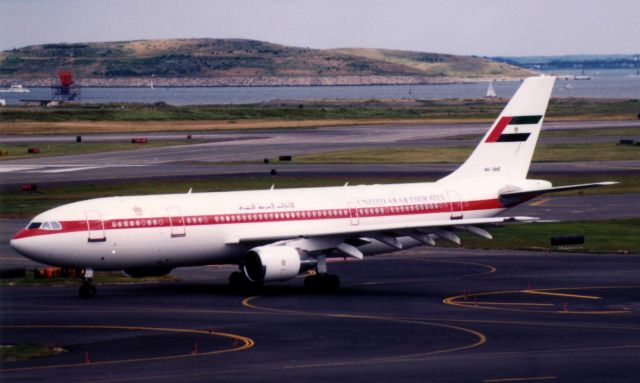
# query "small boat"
(491, 93)
(568, 86)
(15, 89)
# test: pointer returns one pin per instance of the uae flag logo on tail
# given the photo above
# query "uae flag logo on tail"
(501, 134)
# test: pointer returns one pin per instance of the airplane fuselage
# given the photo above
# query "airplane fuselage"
(175, 230)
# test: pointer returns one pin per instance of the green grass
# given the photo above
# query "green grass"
(600, 236)
(11, 352)
(449, 155)
(317, 110)
(17, 151)
(99, 278)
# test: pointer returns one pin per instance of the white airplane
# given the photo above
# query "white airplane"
(276, 235)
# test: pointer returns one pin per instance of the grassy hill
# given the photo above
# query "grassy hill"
(206, 58)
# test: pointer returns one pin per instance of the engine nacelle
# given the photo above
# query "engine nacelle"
(147, 272)
(275, 263)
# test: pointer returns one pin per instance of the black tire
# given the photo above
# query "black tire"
(237, 280)
(322, 283)
(332, 282)
(87, 291)
(311, 282)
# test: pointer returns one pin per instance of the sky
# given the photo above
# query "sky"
(468, 27)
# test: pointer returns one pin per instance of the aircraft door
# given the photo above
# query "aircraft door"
(176, 220)
(456, 204)
(353, 213)
(95, 226)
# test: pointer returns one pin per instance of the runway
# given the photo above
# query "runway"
(423, 315)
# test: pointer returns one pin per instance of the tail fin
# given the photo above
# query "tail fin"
(507, 148)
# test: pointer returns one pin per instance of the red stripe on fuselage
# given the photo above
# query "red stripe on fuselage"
(497, 131)
(283, 216)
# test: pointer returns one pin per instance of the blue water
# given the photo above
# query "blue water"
(603, 84)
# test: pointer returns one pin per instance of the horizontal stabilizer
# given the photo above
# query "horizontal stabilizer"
(516, 197)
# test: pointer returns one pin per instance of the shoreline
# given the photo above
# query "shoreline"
(273, 81)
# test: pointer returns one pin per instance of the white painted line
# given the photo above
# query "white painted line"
(17, 168)
(64, 170)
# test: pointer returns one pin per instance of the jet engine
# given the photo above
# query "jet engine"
(147, 272)
(275, 263)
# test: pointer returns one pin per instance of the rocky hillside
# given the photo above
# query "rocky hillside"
(194, 62)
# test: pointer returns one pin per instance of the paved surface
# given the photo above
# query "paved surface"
(526, 317)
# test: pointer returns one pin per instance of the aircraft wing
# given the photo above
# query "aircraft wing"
(426, 232)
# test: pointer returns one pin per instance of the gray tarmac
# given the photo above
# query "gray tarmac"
(420, 315)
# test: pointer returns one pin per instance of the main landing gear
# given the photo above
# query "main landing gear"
(87, 289)
(239, 281)
(322, 281)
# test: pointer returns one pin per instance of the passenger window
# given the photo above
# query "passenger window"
(34, 225)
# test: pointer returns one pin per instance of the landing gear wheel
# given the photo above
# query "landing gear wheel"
(239, 281)
(322, 283)
(87, 291)
(332, 282)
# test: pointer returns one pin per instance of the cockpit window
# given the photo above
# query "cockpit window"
(47, 225)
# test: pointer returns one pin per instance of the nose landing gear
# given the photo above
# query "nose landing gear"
(87, 289)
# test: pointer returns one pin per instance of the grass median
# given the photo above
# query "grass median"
(450, 155)
(122, 117)
(611, 236)
(99, 278)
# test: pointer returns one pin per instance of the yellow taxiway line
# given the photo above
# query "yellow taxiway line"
(540, 202)
(245, 344)
(530, 379)
(538, 292)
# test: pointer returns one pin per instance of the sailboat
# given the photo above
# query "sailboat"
(491, 93)
(15, 89)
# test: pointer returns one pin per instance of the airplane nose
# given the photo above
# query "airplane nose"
(19, 242)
